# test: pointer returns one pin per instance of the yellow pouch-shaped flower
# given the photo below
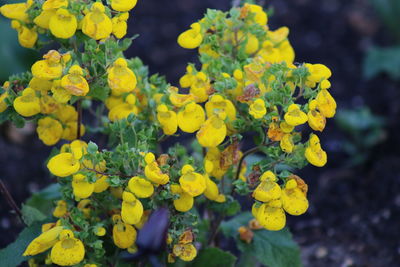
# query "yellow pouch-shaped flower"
(212, 132)
(26, 37)
(68, 251)
(61, 209)
(123, 5)
(213, 160)
(16, 11)
(294, 200)
(286, 143)
(121, 79)
(260, 17)
(132, 208)
(211, 192)
(326, 103)
(179, 100)
(257, 109)
(218, 104)
(63, 24)
(168, 119)
(314, 153)
(74, 82)
(271, 215)
(48, 104)
(54, 4)
(49, 130)
(81, 188)
(267, 191)
(318, 72)
(43, 19)
(49, 68)
(28, 104)
(119, 25)
(191, 117)
(294, 116)
(63, 165)
(185, 201)
(186, 252)
(96, 24)
(140, 187)
(43, 242)
(124, 235)
(3, 104)
(200, 87)
(192, 182)
(191, 38)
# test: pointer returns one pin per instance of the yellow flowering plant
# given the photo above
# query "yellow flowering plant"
(142, 196)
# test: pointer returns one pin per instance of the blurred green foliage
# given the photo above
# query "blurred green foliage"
(385, 60)
(13, 57)
(364, 131)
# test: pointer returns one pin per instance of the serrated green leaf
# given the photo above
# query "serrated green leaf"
(214, 257)
(272, 248)
(11, 256)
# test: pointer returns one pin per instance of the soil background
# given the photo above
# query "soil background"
(354, 212)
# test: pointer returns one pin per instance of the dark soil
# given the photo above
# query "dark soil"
(354, 212)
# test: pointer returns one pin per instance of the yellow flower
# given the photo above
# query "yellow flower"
(212, 132)
(212, 192)
(121, 79)
(278, 35)
(16, 11)
(28, 104)
(123, 110)
(191, 38)
(70, 130)
(257, 109)
(66, 113)
(44, 17)
(54, 4)
(191, 117)
(294, 116)
(294, 200)
(124, 235)
(61, 209)
(212, 162)
(49, 130)
(132, 208)
(119, 25)
(271, 215)
(218, 104)
(63, 165)
(200, 87)
(314, 153)
(49, 68)
(326, 103)
(167, 119)
(318, 72)
(192, 182)
(123, 5)
(81, 188)
(186, 80)
(275, 133)
(63, 24)
(3, 104)
(59, 93)
(153, 171)
(48, 104)
(74, 82)
(186, 252)
(96, 24)
(68, 251)
(26, 37)
(43, 242)
(101, 184)
(252, 43)
(260, 16)
(179, 100)
(285, 127)
(286, 143)
(100, 231)
(184, 202)
(268, 189)
(316, 120)
(140, 187)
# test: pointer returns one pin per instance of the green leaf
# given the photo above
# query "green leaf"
(43, 200)
(382, 60)
(272, 248)
(31, 215)
(11, 256)
(214, 257)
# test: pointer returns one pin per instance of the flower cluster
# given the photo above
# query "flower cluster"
(247, 85)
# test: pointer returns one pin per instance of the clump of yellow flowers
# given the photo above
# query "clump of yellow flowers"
(247, 91)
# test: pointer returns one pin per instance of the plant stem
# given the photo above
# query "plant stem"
(4, 191)
(214, 229)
